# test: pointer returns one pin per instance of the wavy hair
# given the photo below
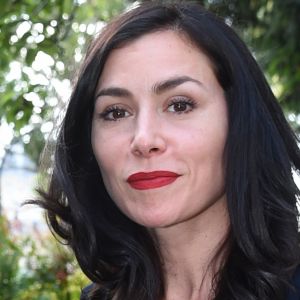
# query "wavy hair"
(120, 256)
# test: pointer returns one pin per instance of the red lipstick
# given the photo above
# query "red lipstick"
(151, 180)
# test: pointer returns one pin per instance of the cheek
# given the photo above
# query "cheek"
(205, 149)
(205, 142)
(105, 163)
(109, 150)
(104, 160)
(100, 149)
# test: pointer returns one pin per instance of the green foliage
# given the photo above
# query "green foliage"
(271, 28)
(37, 270)
(9, 263)
(55, 32)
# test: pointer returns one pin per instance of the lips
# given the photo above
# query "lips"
(151, 180)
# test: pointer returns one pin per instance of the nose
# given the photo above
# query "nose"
(148, 139)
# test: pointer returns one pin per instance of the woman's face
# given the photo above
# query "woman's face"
(159, 129)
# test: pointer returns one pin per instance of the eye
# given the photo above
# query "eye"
(114, 113)
(181, 105)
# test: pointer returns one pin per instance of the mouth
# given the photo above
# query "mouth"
(151, 180)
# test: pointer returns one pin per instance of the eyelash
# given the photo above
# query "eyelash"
(110, 110)
(188, 102)
(183, 100)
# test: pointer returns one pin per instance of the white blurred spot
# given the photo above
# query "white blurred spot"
(39, 27)
(63, 88)
(60, 66)
(50, 30)
(23, 28)
(46, 127)
(82, 28)
(42, 60)
(91, 29)
(13, 39)
(53, 23)
(15, 71)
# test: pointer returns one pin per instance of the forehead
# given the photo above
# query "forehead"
(155, 57)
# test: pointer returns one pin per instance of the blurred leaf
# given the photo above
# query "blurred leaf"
(30, 56)
(48, 271)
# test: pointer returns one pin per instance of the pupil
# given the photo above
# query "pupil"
(180, 106)
(118, 114)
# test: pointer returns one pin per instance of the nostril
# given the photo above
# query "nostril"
(154, 150)
(145, 145)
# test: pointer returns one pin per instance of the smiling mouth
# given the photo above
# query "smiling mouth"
(151, 180)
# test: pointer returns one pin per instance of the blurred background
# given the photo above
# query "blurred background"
(42, 44)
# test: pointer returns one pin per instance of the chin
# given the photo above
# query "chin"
(153, 220)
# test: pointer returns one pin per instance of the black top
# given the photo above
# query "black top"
(293, 294)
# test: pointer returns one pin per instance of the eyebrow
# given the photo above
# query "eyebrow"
(158, 88)
(171, 83)
(114, 91)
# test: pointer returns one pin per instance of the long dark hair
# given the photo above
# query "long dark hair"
(119, 255)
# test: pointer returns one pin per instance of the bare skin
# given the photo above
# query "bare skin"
(188, 250)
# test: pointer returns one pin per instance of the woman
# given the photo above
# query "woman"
(173, 166)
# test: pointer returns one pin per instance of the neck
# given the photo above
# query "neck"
(190, 253)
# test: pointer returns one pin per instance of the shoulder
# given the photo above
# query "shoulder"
(294, 293)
